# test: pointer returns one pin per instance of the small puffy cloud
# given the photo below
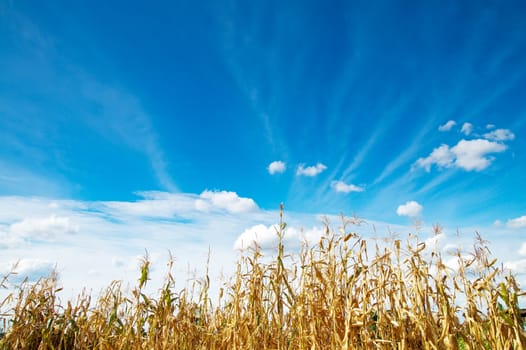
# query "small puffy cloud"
(276, 167)
(411, 209)
(310, 170)
(500, 135)
(467, 128)
(447, 126)
(43, 228)
(341, 186)
(224, 200)
(470, 155)
(522, 250)
(490, 126)
(519, 222)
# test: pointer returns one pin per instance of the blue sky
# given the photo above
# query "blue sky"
(129, 125)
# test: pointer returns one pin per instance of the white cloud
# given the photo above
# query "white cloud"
(261, 235)
(447, 126)
(155, 204)
(117, 261)
(435, 243)
(453, 263)
(467, 128)
(451, 249)
(522, 250)
(266, 237)
(276, 167)
(516, 266)
(500, 135)
(32, 269)
(113, 234)
(310, 170)
(470, 155)
(224, 200)
(152, 204)
(43, 228)
(519, 222)
(490, 126)
(38, 229)
(411, 209)
(341, 186)
(441, 156)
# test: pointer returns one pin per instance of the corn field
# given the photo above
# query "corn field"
(344, 292)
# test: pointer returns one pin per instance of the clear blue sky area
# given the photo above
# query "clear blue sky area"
(102, 99)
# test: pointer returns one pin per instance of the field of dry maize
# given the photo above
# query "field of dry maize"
(344, 292)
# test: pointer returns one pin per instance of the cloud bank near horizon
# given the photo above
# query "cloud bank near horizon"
(43, 234)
